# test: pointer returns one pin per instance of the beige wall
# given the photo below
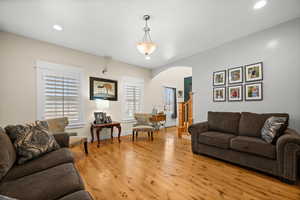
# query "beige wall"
(18, 56)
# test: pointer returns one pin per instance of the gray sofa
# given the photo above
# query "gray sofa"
(52, 176)
(235, 137)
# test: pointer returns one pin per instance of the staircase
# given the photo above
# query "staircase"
(185, 118)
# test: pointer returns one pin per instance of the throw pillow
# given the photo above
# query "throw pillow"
(7, 154)
(6, 198)
(31, 141)
(271, 129)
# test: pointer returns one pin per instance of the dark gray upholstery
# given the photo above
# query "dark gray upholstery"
(288, 153)
(47, 161)
(197, 129)
(248, 149)
(49, 177)
(253, 145)
(226, 122)
(7, 154)
(252, 123)
(63, 139)
(217, 139)
(80, 195)
(245, 159)
(48, 184)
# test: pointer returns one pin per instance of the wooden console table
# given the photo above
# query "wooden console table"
(99, 127)
(159, 119)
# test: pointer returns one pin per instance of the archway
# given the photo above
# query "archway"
(169, 89)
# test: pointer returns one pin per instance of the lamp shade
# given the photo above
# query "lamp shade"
(146, 48)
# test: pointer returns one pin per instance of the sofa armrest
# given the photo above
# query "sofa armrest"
(288, 152)
(198, 127)
(195, 130)
(63, 139)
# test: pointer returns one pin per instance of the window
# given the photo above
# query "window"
(59, 93)
(133, 97)
(170, 100)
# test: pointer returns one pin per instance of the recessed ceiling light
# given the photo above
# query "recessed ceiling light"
(260, 4)
(147, 57)
(57, 27)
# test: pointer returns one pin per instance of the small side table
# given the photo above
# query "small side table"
(99, 127)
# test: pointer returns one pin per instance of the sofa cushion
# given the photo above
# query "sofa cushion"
(7, 154)
(32, 141)
(227, 122)
(80, 195)
(46, 161)
(253, 145)
(218, 139)
(49, 184)
(252, 123)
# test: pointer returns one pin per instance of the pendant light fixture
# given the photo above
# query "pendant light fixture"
(146, 46)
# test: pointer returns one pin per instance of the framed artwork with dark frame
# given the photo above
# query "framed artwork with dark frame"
(235, 93)
(254, 72)
(219, 78)
(235, 75)
(103, 89)
(254, 92)
(219, 94)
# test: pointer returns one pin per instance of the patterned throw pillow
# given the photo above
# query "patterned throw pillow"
(31, 141)
(272, 129)
(6, 198)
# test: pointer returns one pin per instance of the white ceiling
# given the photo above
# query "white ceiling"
(113, 27)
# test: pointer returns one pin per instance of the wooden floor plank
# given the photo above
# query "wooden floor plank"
(166, 169)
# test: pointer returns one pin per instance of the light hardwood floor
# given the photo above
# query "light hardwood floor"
(166, 169)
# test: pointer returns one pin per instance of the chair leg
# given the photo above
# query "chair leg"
(133, 135)
(136, 135)
(151, 135)
(148, 134)
(86, 147)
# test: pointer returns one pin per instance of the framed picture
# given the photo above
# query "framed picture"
(219, 78)
(254, 92)
(254, 72)
(219, 94)
(235, 93)
(99, 117)
(103, 89)
(180, 94)
(235, 75)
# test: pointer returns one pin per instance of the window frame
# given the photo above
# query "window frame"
(41, 68)
(136, 82)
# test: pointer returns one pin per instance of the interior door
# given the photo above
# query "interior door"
(170, 106)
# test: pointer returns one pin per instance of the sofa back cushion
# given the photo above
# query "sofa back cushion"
(226, 122)
(252, 123)
(7, 154)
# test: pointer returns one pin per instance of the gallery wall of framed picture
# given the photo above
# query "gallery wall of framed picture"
(237, 84)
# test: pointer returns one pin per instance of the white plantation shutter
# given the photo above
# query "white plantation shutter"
(59, 93)
(133, 98)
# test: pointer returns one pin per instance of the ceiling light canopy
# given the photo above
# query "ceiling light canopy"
(260, 4)
(146, 46)
(57, 27)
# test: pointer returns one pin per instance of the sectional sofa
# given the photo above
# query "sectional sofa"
(52, 176)
(236, 137)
